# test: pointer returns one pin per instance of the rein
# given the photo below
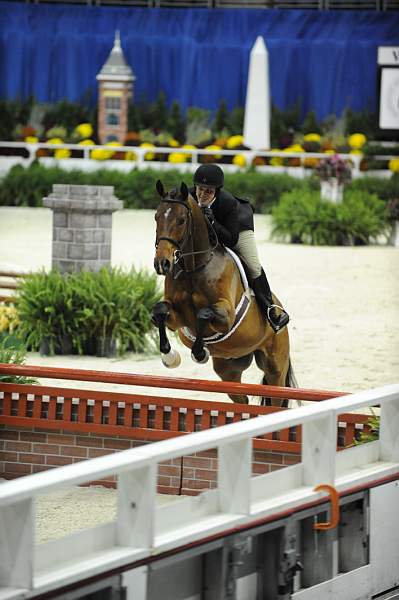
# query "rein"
(179, 244)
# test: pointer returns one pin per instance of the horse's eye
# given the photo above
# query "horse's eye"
(180, 221)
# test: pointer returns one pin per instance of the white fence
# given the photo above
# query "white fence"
(141, 162)
(143, 530)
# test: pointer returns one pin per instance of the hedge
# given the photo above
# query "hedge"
(27, 186)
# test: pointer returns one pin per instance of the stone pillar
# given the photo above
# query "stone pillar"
(82, 223)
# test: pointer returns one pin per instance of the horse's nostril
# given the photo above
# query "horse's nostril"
(165, 265)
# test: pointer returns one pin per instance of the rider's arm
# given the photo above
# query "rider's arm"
(226, 225)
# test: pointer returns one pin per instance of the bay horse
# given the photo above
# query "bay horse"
(205, 300)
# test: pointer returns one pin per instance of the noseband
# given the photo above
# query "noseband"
(178, 254)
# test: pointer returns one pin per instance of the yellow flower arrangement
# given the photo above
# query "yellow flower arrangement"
(86, 143)
(173, 143)
(100, 154)
(239, 160)
(31, 139)
(213, 147)
(62, 153)
(84, 130)
(312, 137)
(55, 141)
(9, 320)
(357, 152)
(393, 165)
(130, 156)
(329, 151)
(276, 161)
(148, 155)
(357, 140)
(234, 141)
(188, 147)
(177, 157)
(294, 148)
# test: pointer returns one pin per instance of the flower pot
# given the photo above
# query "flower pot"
(394, 236)
(331, 190)
(105, 346)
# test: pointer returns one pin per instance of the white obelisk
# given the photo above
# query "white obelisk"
(257, 105)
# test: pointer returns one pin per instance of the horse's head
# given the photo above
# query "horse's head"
(174, 226)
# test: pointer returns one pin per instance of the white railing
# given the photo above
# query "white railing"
(141, 162)
(143, 529)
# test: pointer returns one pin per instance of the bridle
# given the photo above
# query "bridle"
(179, 254)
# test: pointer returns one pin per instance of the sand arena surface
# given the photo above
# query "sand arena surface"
(344, 330)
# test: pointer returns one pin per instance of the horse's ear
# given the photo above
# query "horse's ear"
(160, 188)
(184, 191)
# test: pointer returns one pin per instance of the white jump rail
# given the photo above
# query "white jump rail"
(141, 161)
(143, 530)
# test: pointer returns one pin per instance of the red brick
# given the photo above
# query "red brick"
(196, 484)
(212, 453)
(46, 448)
(17, 468)
(165, 470)
(196, 461)
(90, 442)
(267, 457)
(163, 480)
(73, 451)
(276, 467)
(117, 444)
(94, 452)
(46, 429)
(40, 468)
(291, 459)
(9, 435)
(2, 443)
(205, 474)
(186, 492)
(260, 468)
(18, 446)
(32, 436)
(37, 459)
(58, 461)
(175, 481)
(11, 456)
(58, 438)
(168, 490)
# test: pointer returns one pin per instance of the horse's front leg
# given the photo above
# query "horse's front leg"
(199, 352)
(160, 313)
(220, 317)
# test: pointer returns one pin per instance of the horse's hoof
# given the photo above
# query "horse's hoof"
(202, 360)
(172, 359)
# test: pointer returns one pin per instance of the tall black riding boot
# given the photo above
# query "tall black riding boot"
(263, 295)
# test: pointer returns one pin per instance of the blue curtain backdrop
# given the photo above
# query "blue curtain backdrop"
(196, 56)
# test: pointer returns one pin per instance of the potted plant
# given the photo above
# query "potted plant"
(393, 218)
(334, 172)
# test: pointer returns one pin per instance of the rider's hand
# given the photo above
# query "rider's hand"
(209, 214)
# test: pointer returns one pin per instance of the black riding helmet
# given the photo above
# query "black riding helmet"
(209, 176)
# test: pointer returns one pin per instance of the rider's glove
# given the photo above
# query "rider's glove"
(209, 215)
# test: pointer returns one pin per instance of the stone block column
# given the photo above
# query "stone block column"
(82, 226)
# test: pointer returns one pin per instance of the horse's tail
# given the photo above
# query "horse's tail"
(290, 379)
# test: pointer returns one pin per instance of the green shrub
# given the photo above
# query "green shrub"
(13, 352)
(386, 189)
(87, 313)
(307, 218)
(28, 186)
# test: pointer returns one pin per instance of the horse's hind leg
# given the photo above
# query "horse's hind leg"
(271, 376)
(231, 369)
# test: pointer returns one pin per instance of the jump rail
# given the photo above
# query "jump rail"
(149, 417)
(143, 530)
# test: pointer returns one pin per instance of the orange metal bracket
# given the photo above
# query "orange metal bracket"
(334, 499)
